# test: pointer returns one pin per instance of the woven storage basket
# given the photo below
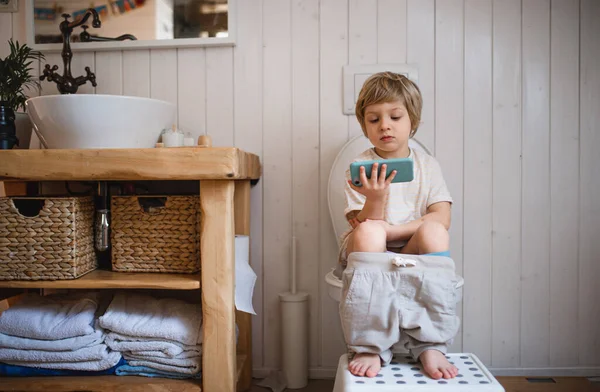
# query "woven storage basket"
(155, 234)
(56, 244)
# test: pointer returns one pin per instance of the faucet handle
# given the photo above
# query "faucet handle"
(66, 16)
(91, 76)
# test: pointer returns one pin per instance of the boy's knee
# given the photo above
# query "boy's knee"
(434, 233)
(368, 237)
(369, 230)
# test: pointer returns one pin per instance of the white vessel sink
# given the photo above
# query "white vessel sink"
(99, 121)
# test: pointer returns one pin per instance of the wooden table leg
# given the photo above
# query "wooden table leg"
(218, 269)
(244, 320)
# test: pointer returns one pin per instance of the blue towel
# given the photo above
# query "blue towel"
(127, 370)
(24, 371)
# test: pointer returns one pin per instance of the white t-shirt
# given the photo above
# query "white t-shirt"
(406, 201)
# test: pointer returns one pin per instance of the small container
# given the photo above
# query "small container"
(188, 141)
(172, 137)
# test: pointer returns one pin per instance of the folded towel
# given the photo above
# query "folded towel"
(145, 371)
(160, 354)
(69, 344)
(93, 353)
(145, 316)
(191, 370)
(7, 370)
(49, 318)
(98, 365)
(191, 362)
(168, 348)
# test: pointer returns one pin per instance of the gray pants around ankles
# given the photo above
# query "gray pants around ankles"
(389, 298)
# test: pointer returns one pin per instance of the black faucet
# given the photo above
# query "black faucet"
(84, 36)
(66, 83)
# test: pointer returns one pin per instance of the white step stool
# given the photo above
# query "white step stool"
(404, 374)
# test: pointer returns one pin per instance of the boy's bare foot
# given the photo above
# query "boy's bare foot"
(365, 364)
(436, 365)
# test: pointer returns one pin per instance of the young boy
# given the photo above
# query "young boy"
(378, 304)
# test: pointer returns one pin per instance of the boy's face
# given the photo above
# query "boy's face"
(388, 128)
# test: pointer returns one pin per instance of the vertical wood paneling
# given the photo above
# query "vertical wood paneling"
(109, 73)
(191, 91)
(535, 235)
(362, 44)
(391, 31)
(589, 246)
(163, 74)
(248, 68)
(506, 243)
(136, 73)
(219, 96)
(333, 134)
(564, 175)
(449, 61)
(305, 157)
(6, 29)
(477, 247)
(421, 52)
(277, 167)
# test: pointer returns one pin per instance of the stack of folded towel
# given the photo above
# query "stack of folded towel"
(157, 337)
(55, 332)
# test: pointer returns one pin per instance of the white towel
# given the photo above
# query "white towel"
(69, 344)
(145, 316)
(49, 318)
(168, 348)
(85, 354)
(184, 366)
(102, 364)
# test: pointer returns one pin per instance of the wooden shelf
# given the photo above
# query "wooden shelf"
(100, 279)
(99, 384)
(105, 383)
(182, 163)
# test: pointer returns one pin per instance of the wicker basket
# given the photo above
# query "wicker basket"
(155, 234)
(55, 244)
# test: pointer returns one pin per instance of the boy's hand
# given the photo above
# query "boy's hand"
(374, 188)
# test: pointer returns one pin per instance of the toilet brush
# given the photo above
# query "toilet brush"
(294, 331)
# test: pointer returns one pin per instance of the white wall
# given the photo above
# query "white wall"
(512, 99)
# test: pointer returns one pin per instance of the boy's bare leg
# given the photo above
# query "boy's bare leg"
(436, 365)
(430, 237)
(367, 237)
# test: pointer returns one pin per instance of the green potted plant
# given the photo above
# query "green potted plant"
(15, 79)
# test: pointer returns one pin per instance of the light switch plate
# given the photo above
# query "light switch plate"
(9, 6)
(356, 75)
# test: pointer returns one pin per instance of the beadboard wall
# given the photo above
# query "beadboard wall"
(512, 111)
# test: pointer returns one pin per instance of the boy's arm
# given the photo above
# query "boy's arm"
(373, 209)
(438, 212)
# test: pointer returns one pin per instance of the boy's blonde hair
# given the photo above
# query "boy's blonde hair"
(389, 87)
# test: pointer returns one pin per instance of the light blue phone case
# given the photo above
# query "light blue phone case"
(403, 167)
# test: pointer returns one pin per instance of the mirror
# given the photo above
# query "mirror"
(133, 24)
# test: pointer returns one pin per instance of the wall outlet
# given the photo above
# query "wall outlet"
(9, 6)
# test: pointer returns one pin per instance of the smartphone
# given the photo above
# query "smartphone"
(403, 167)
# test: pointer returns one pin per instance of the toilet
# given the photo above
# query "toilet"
(335, 199)
(403, 373)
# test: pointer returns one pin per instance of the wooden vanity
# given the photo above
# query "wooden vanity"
(224, 175)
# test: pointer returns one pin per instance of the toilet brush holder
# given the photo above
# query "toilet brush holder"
(294, 338)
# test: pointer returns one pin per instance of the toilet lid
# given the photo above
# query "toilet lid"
(335, 192)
